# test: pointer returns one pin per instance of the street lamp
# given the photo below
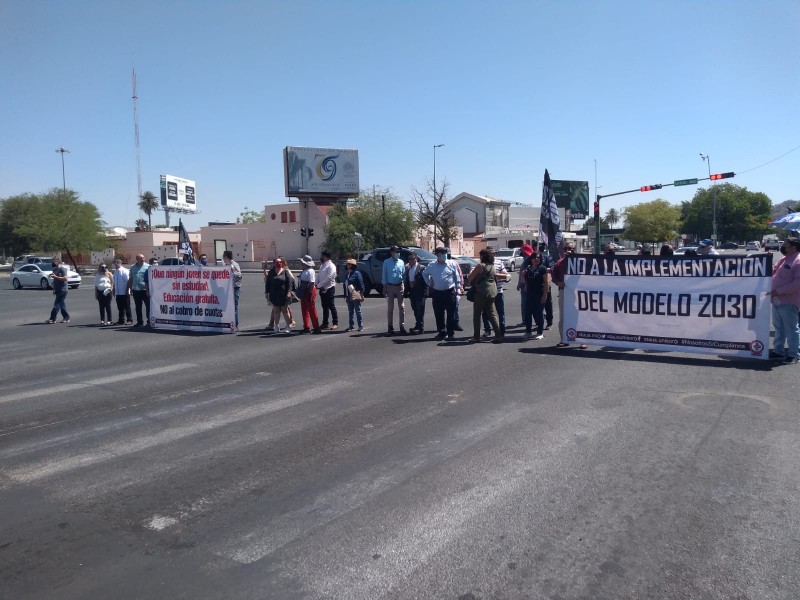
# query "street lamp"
(62, 150)
(707, 159)
(435, 206)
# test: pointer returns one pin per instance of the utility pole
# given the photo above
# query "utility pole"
(62, 150)
(707, 159)
(435, 204)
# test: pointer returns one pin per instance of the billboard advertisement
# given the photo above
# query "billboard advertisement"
(573, 195)
(178, 194)
(320, 172)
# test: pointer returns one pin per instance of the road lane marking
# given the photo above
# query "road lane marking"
(68, 387)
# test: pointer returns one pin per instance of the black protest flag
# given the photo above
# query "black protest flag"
(549, 222)
(184, 244)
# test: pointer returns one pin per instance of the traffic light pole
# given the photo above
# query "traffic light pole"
(656, 186)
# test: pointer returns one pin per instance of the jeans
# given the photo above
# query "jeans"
(326, 298)
(124, 308)
(500, 308)
(444, 302)
(784, 318)
(355, 307)
(139, 297)
(535, 314)
(236, 292)
(60, 303)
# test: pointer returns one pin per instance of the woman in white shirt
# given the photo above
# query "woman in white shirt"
(104, 292)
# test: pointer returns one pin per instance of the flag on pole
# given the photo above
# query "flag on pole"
(549, 222)
(184, 244)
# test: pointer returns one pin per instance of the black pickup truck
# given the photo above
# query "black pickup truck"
(371, 266)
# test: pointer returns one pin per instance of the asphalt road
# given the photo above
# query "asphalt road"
(138, 464)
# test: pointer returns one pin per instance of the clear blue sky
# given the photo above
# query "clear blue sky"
(510, 88)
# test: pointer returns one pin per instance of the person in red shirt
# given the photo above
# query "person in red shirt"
(558, 278)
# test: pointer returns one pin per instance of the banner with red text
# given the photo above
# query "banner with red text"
(191, 297)
(715, 305)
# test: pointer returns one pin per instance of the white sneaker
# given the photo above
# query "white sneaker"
(276, 329)
(538, 337)
(361, 329)
(288, 329)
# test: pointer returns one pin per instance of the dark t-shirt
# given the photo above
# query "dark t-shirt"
(534, 278)
(59, 285)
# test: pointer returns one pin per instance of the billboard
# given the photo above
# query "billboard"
(573, 195)
(320, 172)
(178, 194)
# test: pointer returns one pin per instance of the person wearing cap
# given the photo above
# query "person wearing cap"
(326, 284)
(308, 296)
(354, 294)
(417, 290)
(392, 280)
(706, 248)
(526, 250)
(785, 298)
(444, 279)
(236, 274)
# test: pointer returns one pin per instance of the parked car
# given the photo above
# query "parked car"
(371, 266)
(772, 244)
(512, 258)
(172, 260)
(682, 250)
(38, 275)
(467, 264)
(31, 259)
(753, 246)
(730, 246)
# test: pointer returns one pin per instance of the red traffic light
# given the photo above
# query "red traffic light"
(716, 176)
(647, 188)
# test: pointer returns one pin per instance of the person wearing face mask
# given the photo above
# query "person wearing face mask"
(103, 292)
(59, 277)
(203, 258)
(138, 289)
(558, 278)
(785, 298)
(444, 280)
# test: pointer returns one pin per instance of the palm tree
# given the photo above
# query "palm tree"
(147, 204)
(612, 217)
(141, 225)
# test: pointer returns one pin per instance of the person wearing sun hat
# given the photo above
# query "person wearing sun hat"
(353, 289)
(308, 296)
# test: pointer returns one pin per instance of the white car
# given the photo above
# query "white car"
(38, 275)
(512, 258)
(753, 246)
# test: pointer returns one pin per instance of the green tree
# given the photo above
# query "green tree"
(741, 214)
(56, 220)
(655, 221)
(612, 217)
(16, 210)
(252, 216)
(148, 204)
(378, 215)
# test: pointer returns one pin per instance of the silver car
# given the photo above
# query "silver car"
(38, 275)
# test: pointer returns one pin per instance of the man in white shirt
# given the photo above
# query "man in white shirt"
(326, 284)
(444, 280)
(121, 293)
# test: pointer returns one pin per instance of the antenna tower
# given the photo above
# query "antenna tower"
(136, 136)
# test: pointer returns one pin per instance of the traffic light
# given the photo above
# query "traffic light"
(310, 231)
(716, 176)
(303, 231)
(647, 188)
(596, 211)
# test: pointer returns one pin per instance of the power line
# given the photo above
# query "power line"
(769, 161)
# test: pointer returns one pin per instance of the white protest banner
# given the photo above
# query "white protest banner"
(191, 297)
(710, 305)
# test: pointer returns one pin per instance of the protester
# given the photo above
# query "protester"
(354, 294)
(549, 262)
(277, 288)
(785, 297)
(537, 281)
(103, 292)
(272, 323)
(666, 250)
(483, 278)
(307, 290)
(417, 290)
(60, 275)
(138, 289)
(122, 293)
(609, 250)
(559, 271)
(392, 281)
(647, 250)
(462, 287)
(706, 248)
(526, 252)
(203, 259)
(326, 284)
(501, 278)
(444, 280)
(236, 273)
(691, 252)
